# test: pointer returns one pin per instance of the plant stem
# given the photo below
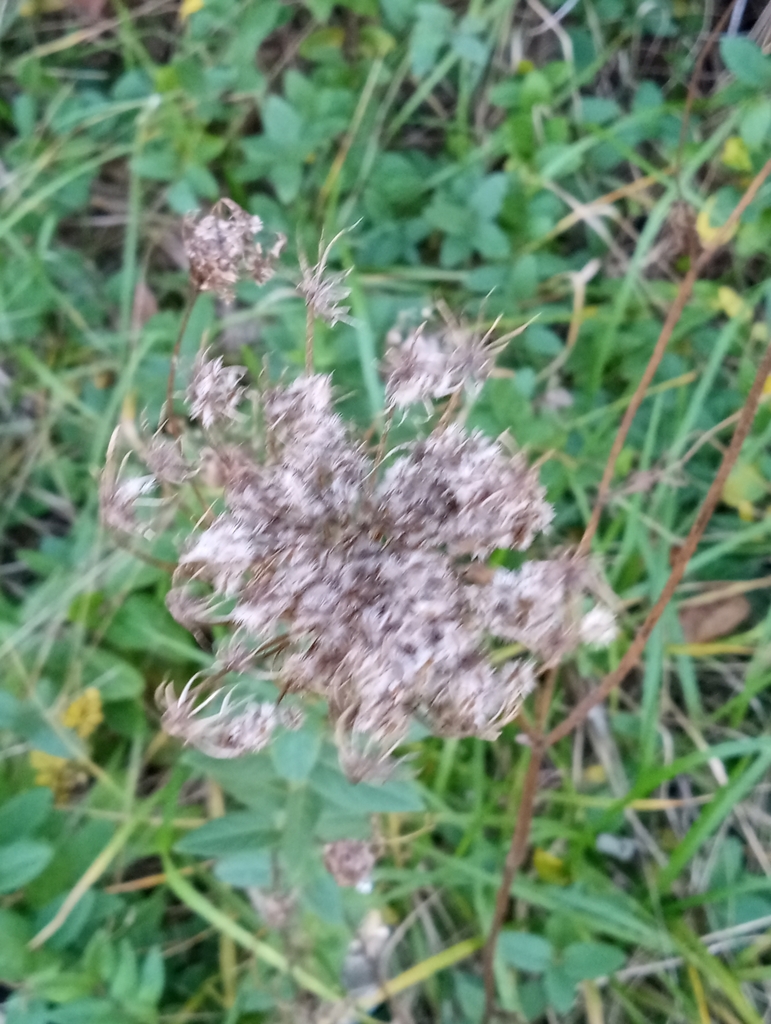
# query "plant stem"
(519, 840)
(635, 649)
(167, 414)
(675, 312)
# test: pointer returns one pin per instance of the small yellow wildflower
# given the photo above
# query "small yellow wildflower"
(61, 774)
(57, 773)
(84, 713)
(188, 7)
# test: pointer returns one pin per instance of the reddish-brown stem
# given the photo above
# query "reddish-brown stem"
(635, 649)
(520, 838)
(683, 295)
(541, 742)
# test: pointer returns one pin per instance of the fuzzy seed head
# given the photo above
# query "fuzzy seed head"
(215, 390)
(222, 249)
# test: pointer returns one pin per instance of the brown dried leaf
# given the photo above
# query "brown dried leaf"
(705, 622)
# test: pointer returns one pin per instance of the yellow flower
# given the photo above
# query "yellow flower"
(188, 7)
(84, 713)
(57, 773)
(62, 775)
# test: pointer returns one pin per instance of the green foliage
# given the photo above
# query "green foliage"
(478, 162)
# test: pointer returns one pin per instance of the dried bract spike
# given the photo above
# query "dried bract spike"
(222, 249)
(165, 460)
(215, 390)
(324, 291)
(118, 503)
(425, 365)
(227, 733)
(350, 862)
(417, 369)
(463, 492)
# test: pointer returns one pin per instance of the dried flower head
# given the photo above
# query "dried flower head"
(222, 249)
(462, 491)
(350, 862)
(165, 460)
(426, 364)
(324, 291)
(215, 390)
(231, 731)
(340, 576)
(543, 606)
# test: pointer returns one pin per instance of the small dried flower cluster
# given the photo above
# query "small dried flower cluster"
(426, 364)
(346, 575)
(222, 250)
(350, 862)
(325, 292)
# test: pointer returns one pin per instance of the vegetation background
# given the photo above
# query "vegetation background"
(502, 157)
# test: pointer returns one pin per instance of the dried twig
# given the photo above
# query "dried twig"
(519, 840)
(676, 310)
(635, 649)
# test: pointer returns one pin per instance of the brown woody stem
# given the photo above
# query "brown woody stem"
(675, 312)
(635, 649)
(519, 840)
(540, 742)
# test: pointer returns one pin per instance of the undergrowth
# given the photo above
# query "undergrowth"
(488, 161)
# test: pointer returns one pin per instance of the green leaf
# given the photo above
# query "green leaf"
(295, 753)
(245, 869)
(9, 710)
(755, 124)
(598, 110)
(746, 61)
(233, 833)
(25, 813)
(532, 996)
(560, 988)
(585, 960)
(113, 676)
(615, 915)
(152, 978)
(281, 121)
(22, 861)
(125, 980)
(392, 797)
(431, 32)
(15, 933)
(143, 624)
(524, 951)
